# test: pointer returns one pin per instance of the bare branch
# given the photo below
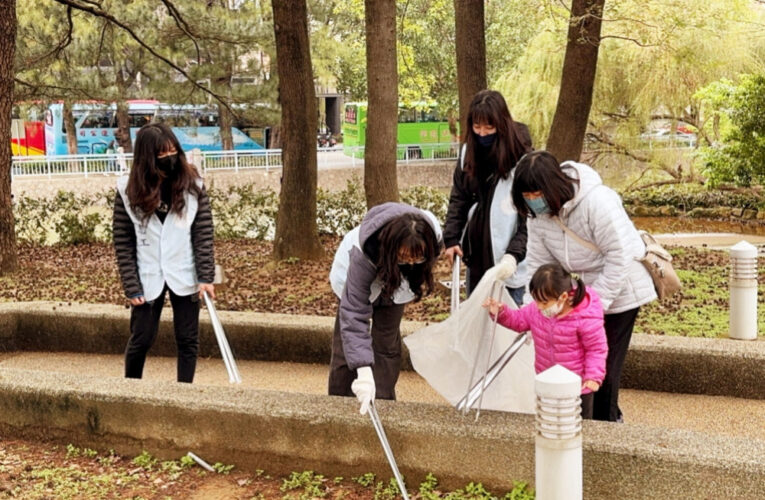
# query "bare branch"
(101, 13)
(37, 87)
(62, 44)
(182, 25)
(636, 42)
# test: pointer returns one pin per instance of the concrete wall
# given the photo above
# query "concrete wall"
(656, 363)
(285, 432)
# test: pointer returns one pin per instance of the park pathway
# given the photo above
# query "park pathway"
(718, 415)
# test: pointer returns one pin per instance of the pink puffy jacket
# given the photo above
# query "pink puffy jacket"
(576, 341)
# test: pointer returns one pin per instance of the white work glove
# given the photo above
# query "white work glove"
(506, 267)
(364, 387)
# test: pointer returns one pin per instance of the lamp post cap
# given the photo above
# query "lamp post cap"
(558, 382)
(743, 250)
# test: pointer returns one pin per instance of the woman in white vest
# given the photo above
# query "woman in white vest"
(379, 266)
(163, 237)
(482, 225)
(578, 222)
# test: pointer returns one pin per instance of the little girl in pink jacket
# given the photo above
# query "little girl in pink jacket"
(566, 323)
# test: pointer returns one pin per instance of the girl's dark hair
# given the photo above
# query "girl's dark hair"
(489, 107)
(551, 280)
(540, 171)
(413, 232)
(143, 188)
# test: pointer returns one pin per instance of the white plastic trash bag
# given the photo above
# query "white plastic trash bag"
(444, 354)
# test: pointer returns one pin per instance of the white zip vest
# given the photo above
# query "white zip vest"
(164, 251)
(503, 222)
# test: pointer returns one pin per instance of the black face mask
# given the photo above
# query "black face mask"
(168, 164)
(407, 269)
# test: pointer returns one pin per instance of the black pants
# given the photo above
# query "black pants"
(619, 332)
(144, 324)
(587, 400)
(386, 344)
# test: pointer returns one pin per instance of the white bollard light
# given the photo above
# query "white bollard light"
(558, 435)
(743, 291)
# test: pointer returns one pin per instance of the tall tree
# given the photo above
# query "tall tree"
(8, 256)
(577, 80)
(296, 231)
(471, 52)
(380, 176)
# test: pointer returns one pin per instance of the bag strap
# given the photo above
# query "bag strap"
(576, 237)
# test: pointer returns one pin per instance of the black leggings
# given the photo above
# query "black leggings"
(144, 324)
(386, 344)
(618, 332)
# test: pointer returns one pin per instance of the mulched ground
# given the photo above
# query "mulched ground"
(88, 273)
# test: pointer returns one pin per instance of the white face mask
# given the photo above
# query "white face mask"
(552, 311)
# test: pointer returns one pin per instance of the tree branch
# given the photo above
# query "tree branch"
(182, 25)
(629, 39)
(62, 44)
(103, 14)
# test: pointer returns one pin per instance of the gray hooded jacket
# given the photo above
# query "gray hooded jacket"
(354, 280)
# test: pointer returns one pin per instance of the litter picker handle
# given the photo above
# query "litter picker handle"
(386, 448)
(474, 393)
(455, 284)
(220, 336)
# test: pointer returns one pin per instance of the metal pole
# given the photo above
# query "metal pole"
(478, 352)
(225, 349)
(456, 284)
(491, 346)
(472, 396)
(386, 448)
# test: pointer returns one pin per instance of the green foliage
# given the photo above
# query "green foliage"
(339, 212)
(244, 212)
(145, 460)
(427, 198)
(740, 156)
(221, 468)
(366, 480)
(312, 484)
(686, 197)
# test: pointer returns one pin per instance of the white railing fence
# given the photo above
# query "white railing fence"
(209, 161)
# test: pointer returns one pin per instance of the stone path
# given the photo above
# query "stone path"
(711, 414)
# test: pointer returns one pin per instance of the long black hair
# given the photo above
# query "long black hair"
(489, 107)
(551, 280)
(416, 237)
(540, 171)
(143, 188)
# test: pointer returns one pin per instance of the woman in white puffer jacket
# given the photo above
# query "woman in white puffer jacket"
(572, 195)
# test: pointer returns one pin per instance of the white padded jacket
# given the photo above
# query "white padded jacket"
(595, 214)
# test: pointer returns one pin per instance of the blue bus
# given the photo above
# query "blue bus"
(95, 124)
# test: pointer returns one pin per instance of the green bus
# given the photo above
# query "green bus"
(422, 134)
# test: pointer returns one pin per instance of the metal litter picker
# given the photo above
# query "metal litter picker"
(386, 447)
(220, 335)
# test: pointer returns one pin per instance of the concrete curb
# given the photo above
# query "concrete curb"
(285, 432)
(668, 364)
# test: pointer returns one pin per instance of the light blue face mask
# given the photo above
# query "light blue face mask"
(538, 205)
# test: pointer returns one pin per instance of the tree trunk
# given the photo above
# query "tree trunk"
(471, 52)
(296, 231)
(8, 255)
(577, 80)
(71, 130)
(123, 128)
(380, 176)
(225, 120)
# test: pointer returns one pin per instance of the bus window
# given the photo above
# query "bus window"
(407, 115)
(98, 119)
(138, 120)
(429, 115)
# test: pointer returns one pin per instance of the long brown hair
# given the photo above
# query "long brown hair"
(414, 234)
(143, 188)
(489, 107)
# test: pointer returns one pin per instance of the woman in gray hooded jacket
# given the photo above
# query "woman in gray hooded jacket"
(570, 214)
(379, 266)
